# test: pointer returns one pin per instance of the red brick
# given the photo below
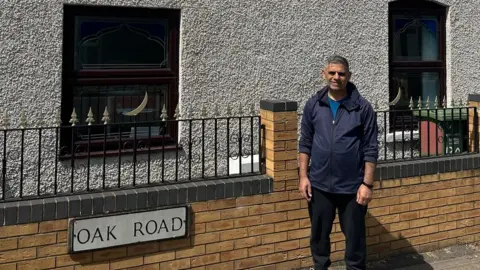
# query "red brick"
(289, 205)
(285, 246)
(8, 244)
(274, 217)
(261, 250)
(234, 254)
(287, 225)
(109, 254)
(274, 258)
(247, 242)
(159, 257)
(220, 225)
(126, 263)
(51, 226)
(205, 259)
(18, 230)
(274, 237)
(221, 204)
(234, 213)
(249, 200)
(261, 209)
(177, 264)
(246, 221)
(206, 238)
(248, 263)
(218, 247)
(190, 252)
(43, 263)
(261, 230)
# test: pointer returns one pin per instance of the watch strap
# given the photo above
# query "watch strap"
(367, 185)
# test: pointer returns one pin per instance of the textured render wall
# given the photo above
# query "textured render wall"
(231, 52)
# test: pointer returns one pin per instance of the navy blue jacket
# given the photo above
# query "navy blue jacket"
(338, 148)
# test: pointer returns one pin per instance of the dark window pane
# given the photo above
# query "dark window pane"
(415, 38)
(105, 43)
(408, 85)
(119, 99)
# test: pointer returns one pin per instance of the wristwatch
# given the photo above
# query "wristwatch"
(367, 185)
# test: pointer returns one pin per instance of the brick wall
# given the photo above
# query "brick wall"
(407, 215)
(437, 207)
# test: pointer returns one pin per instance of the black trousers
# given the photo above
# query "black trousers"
(322, 208)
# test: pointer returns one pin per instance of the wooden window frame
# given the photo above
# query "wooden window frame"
(72, 77)
(417, 8)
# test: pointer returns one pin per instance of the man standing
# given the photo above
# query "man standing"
(339, 140)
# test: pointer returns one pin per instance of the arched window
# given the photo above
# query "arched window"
(416, 54)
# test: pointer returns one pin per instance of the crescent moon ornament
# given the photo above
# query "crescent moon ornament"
(140, 107)
(397, 98)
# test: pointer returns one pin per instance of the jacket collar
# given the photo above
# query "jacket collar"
(350, 102)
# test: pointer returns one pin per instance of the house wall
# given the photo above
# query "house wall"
(231, 53)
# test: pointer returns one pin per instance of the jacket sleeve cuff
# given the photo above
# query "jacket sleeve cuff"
(370, 159)
(304, 149)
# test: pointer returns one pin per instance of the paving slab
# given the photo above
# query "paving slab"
(460, 257)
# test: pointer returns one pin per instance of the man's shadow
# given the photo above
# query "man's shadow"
(392, 250)
(389, 250)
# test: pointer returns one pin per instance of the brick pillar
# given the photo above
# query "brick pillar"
(280, 119)
(473, 101)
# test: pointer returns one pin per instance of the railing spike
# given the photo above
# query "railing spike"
(177, 113)
(23, 120)
(252, 109)
(164, 115)
(419, 104)
(5, 120)
(375, 105)
(203, 114)
(444, 102)
(106, 116)
(90, 118)
(73, 118)
(411, 105)
(435, 103)
(427, 103)
(452, 103)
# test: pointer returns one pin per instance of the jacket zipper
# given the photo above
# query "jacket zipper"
(331, 143)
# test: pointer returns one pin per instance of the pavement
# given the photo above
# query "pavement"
(460, 257)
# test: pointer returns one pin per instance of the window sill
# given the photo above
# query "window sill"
(124, 152)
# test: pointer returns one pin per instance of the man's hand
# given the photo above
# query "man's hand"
(305, 188)
(364, 195)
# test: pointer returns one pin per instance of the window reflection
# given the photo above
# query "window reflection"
(415, 39)
(117, 43)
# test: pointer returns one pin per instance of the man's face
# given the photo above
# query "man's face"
(336, 76)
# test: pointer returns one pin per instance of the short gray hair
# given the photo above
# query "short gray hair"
(337, 59)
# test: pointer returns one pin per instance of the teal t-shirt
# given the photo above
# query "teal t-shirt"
(334, 106)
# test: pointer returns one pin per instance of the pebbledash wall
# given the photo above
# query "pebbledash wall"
(254, 222)
(231, 52)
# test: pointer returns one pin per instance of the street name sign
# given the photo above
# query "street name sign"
(123, 229)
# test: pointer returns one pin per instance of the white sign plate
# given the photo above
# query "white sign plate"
(123, 229)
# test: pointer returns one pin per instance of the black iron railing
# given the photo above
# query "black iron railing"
(426, 133)
(49, 161)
